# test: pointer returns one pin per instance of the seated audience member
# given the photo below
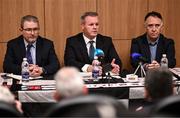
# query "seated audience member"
(158, 85)
(153, 44)
(7, 97)
(93, 106)
(69, 84)
(39, 51)
(79, 51)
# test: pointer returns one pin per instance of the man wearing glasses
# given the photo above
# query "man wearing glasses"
(39, 51)
(152, 44)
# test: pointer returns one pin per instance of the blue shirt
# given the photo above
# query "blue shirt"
(153, 48)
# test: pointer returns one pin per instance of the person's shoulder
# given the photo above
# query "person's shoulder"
(166, 39)
(15, 40)
(76, 36)
(45, 40)
(104, 37)
(140, 37)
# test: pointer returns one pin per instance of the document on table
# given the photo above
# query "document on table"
(19, 77)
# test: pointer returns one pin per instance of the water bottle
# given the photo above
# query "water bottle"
(164, 61)
(95, 70)
(25, 70)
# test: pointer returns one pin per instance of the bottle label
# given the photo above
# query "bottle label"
(25, 76)
(95, 74)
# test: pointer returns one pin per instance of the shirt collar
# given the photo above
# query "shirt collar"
(26, 43)
(87, 39)
(151, 43)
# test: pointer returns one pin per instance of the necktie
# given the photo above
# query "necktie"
(28, 54)
(91, 50)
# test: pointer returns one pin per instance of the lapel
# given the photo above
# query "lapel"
(160, 46)
(145, 48)
(22, 48)
(38, 51)
(99, 42)
(83, 48)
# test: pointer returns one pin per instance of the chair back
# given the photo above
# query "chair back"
(169, 106)
(8, 110)
(88, 106)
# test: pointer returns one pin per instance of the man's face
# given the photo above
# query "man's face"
(30, 31)
(90, 26)
(153, 27)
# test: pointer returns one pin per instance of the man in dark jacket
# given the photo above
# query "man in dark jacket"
(38, 50)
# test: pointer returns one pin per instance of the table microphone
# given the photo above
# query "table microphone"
(138, 57)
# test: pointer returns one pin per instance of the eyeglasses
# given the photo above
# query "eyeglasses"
(156, 26)
(29, 30)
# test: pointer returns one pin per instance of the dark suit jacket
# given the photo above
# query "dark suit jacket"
(45, 55)
(164, 46)
(76, 51)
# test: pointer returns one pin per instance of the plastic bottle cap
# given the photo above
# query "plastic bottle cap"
(164, 55)
(24, 59)
(95, 57)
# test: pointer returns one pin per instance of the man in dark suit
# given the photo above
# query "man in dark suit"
(42, 56)
(153, 44)
(78, 47)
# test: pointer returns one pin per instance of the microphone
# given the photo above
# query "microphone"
(99, 53)
(138, 57)
(105, 66)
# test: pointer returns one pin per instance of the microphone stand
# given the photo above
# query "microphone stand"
(108, 77)
(140, 66)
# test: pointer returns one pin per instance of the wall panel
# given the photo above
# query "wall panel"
(11, 12)
(63, 20)
(2, 53)
(123, 49)
(122, 19)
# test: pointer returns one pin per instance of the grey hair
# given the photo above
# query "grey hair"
(69, 83)
(90, 13)
(29, 18)
(6, 95)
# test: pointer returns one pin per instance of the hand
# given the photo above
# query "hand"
(35, 70)
(18, 106)
(115, 67)
(89, 69)
(31, 67)
(154, 64)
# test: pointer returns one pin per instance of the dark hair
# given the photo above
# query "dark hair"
(88, 14)
(159, 83)
(29, 18)
(154, 14)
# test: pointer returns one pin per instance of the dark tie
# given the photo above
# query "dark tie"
(91, 50)
(28, 54)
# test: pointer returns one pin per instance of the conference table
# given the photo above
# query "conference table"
(38, 93)
(43, 90)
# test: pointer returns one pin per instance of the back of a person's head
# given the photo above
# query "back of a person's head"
(88, 106)
(7, 103)
(159, 83)
(69, 83)
(6, 95)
